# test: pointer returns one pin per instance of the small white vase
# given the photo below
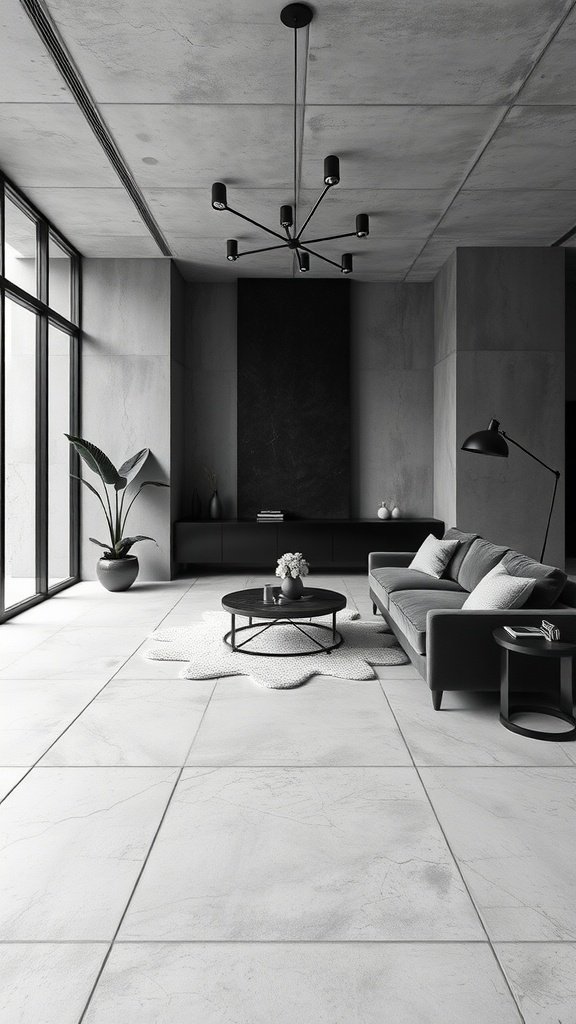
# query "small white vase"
(395, 513)
(383, 512)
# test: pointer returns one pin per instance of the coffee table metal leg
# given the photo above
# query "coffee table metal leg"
(233, 631)
(333, 627)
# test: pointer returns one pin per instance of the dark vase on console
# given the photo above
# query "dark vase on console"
(292, 588)
(215, 506)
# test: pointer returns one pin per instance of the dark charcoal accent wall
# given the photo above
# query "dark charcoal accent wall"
(294, 398)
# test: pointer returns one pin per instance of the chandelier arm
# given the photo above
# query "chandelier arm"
(317, 254)
(255, 222)
(313, 211)
(269, 248)
(327, 238)
(288, 235)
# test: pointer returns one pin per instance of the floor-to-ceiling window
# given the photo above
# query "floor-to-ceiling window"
(39, 367)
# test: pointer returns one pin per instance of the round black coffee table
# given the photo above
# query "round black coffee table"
(537, 647)
(314, 602)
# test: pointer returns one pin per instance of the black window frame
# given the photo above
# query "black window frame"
(46, 316)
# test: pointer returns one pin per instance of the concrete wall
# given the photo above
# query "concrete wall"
(509, 364)
(126, 372)
(391, 366)
(445, 434)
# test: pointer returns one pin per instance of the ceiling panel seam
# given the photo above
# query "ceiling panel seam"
(509, 107)
(46, 29)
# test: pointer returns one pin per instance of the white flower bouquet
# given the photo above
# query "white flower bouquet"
(292, 564)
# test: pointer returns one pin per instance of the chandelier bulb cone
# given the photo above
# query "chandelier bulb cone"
(362, 225)
(346, 266)
(304, 263)
(232, 250)
(331, 170)
(286, 216)
(219, 198)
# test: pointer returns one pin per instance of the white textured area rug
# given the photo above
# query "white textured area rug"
(202, 645)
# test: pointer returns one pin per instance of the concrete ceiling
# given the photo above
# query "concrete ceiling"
(454, 121)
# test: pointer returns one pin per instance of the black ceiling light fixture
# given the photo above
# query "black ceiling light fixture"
(295, 16)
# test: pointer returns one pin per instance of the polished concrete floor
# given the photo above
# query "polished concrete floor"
(213, 852)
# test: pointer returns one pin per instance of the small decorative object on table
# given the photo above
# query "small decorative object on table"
(268, 595)
(292, 566)
(395, 513)
(116, 570)
(215, 506)
(383, 511)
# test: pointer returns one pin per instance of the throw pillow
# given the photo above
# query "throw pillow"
(433, 556)
(498, 589)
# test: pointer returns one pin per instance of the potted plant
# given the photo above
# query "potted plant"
(116, 569)
(291, 567)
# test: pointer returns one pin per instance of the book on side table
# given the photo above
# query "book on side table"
(547, 629)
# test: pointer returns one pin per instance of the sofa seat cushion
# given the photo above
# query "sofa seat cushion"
(409, 608)
(550, 581)
(478, 560)
(392, 578)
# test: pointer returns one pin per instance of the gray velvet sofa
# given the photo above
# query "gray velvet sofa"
(453, 648)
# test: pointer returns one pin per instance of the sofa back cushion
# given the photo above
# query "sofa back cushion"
(465, 540)
(478, 560)
(549, 580)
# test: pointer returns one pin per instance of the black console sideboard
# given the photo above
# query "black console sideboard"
(327, 544)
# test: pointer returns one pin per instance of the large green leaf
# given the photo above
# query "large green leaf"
(132, 466)
(100, 543)
(123, 546)
(95, 459)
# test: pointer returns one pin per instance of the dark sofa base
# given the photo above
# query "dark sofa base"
(462, 654)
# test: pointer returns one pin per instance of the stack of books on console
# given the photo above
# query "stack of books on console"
(270, 516)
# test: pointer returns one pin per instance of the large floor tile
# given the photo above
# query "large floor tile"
(309, 853)
(138, 666)
(148, 722)
(10, 777)
(543, 979)
(512, 831)
(47, 983)
(326, 722)
(34, 712)
(467, 730)
(339, 983)
(72, 842)
(69, 654)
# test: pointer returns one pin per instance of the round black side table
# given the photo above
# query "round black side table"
(536, 647)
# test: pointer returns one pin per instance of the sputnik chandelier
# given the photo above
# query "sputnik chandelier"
(295, 16)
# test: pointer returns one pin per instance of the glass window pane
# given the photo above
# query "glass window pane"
(58, 456)
(20, 458)
(59, 278)
(20, 247)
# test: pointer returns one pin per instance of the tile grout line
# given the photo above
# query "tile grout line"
(144, 863)
(286, 942)
(458, 868)
(80, 713)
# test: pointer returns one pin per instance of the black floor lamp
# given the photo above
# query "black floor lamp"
(493, 442)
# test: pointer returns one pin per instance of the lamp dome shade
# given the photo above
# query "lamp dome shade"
(487, 442)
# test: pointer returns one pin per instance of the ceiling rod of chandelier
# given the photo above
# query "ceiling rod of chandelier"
(295, 16)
